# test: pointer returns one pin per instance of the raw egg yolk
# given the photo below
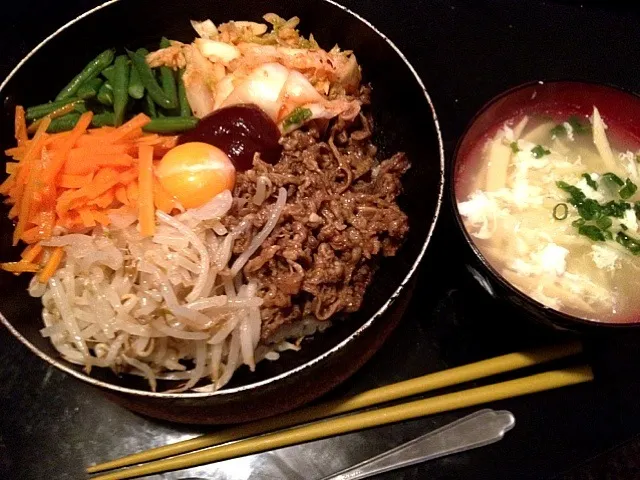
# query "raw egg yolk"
(195, 172)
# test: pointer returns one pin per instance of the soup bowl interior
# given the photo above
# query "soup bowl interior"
(404, 121)
(555, 99)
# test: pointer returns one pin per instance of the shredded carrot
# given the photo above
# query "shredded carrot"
(121, 132)
(11, 168)
(82, 152)
(105, 200)
(19, 267)
(13, 213)
(86, 217)
(167, 143)
(115, 160)
(132, 136)
(146, 212)
(100, 217)
(92, 142)
(132, 193)
(7, 185)
(149, 139)
(103, 181)
(52, 265)
(16, 194)
(164, 142)
(38, 217)
(121, 194)
(128, 176)
(63, 203)
(82, 165)
(74, 181)
(69, 220)
(105, 149)
(27, 250)
(31, 252)
(16, 152)
(101, 131)
(44, 194)
(55, 140)
(101, 143)
(60, 157)
(32, 235)
(33, 151)
(29, 191)
(48, 222)
(16, 189)
(20, 126)
(28, 173)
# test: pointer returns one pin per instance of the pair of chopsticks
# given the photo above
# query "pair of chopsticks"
(303, 425)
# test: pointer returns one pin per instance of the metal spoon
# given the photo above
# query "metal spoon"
(476, 430)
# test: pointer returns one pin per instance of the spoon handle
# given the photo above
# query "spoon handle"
(476, 430)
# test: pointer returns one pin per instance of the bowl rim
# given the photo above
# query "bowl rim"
(567, 320)
(60, 364)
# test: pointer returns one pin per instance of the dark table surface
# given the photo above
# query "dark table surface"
(52, 426)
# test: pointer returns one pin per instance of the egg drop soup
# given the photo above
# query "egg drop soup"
(551, 202)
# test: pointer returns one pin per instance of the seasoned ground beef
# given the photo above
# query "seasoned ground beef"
(341, 212)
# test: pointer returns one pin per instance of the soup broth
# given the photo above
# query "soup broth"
(552, 204)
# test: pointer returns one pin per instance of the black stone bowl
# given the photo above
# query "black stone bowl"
(620, 109)
(405, 121)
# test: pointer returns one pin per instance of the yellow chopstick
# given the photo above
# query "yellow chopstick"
(359, 421)
(415, 386)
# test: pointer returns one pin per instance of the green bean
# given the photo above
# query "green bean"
(109, 72)
(168, 79)
(105, 119)
(38, 111)
(91, 70)
(149, 81)
(120, 88)
(64, 123)
(185, 109)
(105, 94)
(170, 124)
(150, 106)
(136, 88)
(80, 107)
(89, 89)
